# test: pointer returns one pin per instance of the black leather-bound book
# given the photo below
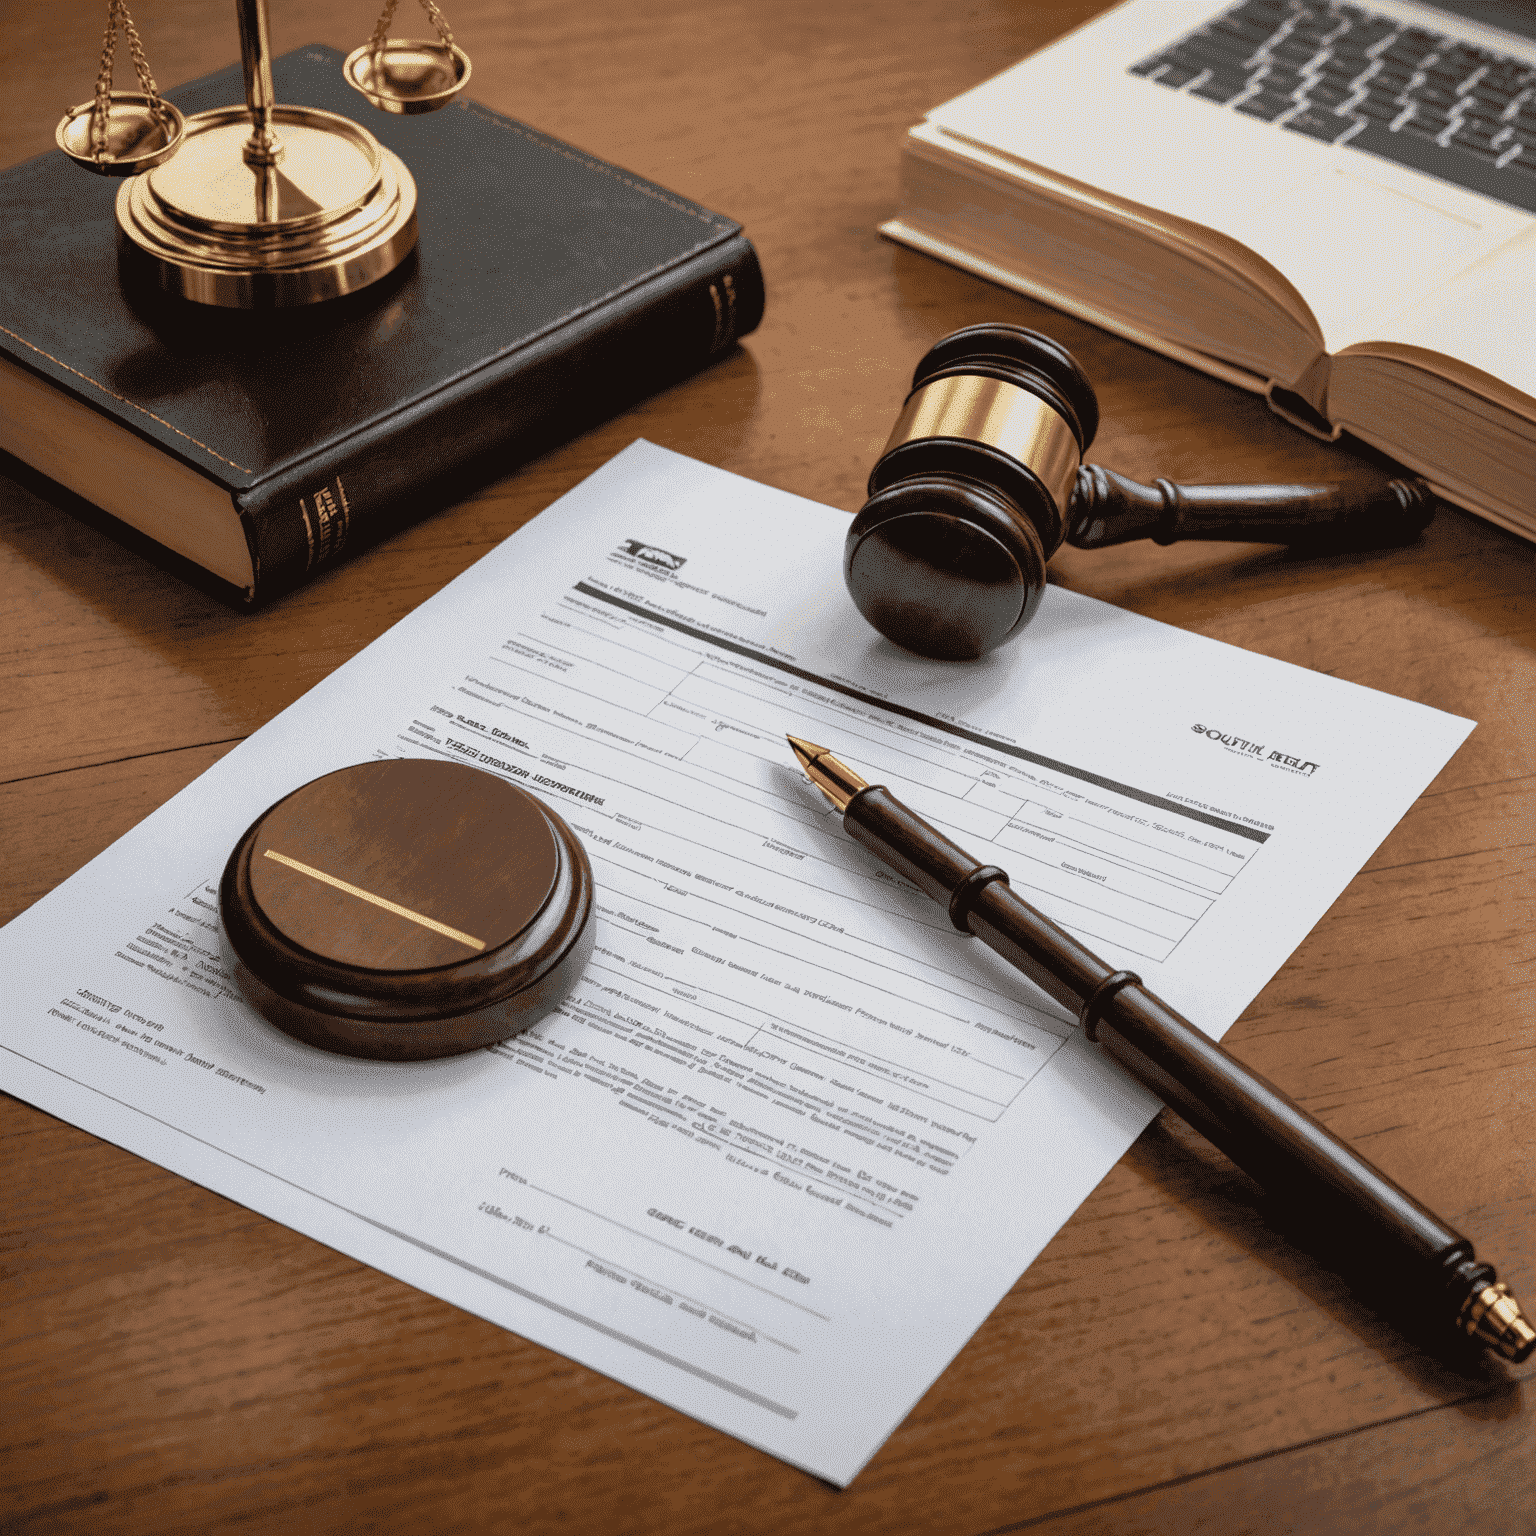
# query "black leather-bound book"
(547, 291)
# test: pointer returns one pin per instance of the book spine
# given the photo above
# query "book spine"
(436, 451)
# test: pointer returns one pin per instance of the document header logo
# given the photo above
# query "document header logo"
(651, 556)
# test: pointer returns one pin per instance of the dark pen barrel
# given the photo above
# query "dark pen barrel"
(1345, 1203)
(901, 839)
(1267, 1135)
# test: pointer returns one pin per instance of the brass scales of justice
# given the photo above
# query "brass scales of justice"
(264, 206)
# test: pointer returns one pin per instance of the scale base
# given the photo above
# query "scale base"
(327, 213)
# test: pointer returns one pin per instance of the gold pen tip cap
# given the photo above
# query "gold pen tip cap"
(836, 780)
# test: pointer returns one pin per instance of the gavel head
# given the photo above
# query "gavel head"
(970, 498)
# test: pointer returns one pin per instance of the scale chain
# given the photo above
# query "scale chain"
(381, 27)
(117, 15)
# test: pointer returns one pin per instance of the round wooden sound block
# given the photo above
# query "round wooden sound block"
(406, 909)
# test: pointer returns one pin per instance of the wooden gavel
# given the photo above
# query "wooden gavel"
(982, 481)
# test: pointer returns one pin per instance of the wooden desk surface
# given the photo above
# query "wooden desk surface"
(1170, 1364)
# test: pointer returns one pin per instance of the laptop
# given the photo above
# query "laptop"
(1369, 151)
(1411, 85)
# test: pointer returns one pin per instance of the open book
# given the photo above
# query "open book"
(1358, 295)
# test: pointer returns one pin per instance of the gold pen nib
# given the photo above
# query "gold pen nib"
(837, 781)
(806, 752)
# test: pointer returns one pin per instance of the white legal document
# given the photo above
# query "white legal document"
(791, 1137)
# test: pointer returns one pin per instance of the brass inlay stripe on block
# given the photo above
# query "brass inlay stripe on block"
(378, 901)
(975, 408)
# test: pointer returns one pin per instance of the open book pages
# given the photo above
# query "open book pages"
(1333, 288)
(791, 1137)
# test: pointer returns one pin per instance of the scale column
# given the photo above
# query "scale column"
(263, 147)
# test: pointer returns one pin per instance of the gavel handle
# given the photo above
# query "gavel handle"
(1107, 508)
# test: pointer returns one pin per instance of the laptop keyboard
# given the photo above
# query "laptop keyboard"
(1341, 74)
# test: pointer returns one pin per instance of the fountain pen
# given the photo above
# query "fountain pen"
(1263, 1131)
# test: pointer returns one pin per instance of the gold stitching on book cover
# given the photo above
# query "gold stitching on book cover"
(497, 121)
(124, 400)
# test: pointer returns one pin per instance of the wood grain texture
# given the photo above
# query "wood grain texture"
(461, 847)
(1173, 1362)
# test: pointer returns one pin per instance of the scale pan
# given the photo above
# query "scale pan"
(407, 74)
(137, 140)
